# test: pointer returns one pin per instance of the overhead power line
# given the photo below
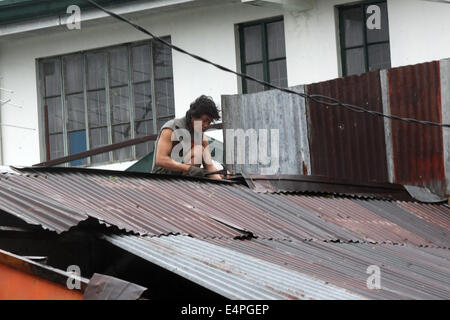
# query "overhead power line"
(320, 99)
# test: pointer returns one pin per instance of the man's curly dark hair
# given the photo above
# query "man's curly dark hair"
(202, 105)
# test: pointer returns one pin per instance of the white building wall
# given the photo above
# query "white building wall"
(311, 47)
(419, 31)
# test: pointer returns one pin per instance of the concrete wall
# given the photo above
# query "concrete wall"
(311, 47)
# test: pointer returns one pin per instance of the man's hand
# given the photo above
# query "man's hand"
(196, 171)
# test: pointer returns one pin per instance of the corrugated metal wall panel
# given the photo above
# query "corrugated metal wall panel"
(346, 144)
(270, 110)
(414, 92)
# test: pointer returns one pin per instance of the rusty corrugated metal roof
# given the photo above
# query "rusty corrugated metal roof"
(322, 244)
(230, 273)
(61, 198)
(406, 272)
(361, 221)
(318, 184)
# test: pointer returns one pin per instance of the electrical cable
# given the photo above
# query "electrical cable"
(320, 99)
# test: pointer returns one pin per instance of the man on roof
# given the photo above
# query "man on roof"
(182, 148)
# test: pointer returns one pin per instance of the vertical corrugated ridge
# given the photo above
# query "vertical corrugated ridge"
(345, 144)
(414, 92)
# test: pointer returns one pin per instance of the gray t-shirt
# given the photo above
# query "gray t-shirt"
(174, 124)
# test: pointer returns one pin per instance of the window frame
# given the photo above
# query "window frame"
(265, 50)
(362, 5)
(108, 103)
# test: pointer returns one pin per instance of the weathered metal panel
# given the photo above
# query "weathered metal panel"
(359, 220)
(270, 216)
(445, 105)
(346, 144)
(103, 287)
(406, 272)
(437, 215)
(60, 198)
(387, 125)
(315, 184)
(409, 221)
(270, 110)
(415, 92)
(228, 272)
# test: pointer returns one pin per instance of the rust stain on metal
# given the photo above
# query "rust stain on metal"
(414, 92)
(305, 168)
(361, 221)
(345, 144)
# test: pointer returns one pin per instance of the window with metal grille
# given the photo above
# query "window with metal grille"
(104, 96)
(263, 53)
(364, 49)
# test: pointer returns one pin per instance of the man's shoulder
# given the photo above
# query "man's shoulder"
(178, 123)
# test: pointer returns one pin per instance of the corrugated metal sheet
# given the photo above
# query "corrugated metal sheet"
(266, 110)
(437, 215)
(415, 92)
(363, 222)
(282, 219)
(407, 220)
(406, 272)
(315, 184)
(337, 143)
(61, 198)
(249, 245)
(228, 272)
(345, 144)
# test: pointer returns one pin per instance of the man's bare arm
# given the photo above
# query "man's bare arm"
(163, 151)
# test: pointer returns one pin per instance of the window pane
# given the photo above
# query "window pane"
(118, 66)
(141, 63)
(377, 35)
(144, 128)
(275, 40)
(96, 71)
(256, 71)
(164, 98)
(77, 144)
(120, 105)
(353, 27)
(97, 108)
(379, 56)
(98, 138)
(54, 114)
(162, 60)
(355, 61)
(161, 122)
(73, 73)
(75, 112)
(278, 73)
(143, 101)
(144, 149)
(253, 44)
(51, 75)
(121, 133)
(56, 146)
